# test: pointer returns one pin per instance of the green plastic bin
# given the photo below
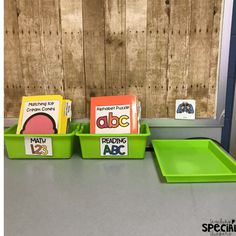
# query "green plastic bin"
(194, 161)
(62, 145)
(91, 144)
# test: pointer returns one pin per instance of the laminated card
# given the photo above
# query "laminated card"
(114, 114)
(41, 115)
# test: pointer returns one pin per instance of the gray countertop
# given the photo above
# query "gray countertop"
(107, 198)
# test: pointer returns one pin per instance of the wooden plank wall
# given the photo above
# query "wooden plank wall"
(159, 50)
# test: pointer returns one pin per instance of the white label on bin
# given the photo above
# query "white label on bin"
(38, 146)
(114, 146)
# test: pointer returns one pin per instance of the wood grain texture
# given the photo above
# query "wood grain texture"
(157, 58)
(178, 53)
(14, 84)
(94, 49)
(73, 63)
(51, 49)
(159, 50)
(214, 59)
(115, 48)
(40, 46)
(30, 31)
(136, 21)
(199, 55)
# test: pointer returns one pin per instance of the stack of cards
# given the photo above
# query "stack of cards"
(115, 114)
(46, 114)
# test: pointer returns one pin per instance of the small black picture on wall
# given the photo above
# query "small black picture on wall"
(185, 109)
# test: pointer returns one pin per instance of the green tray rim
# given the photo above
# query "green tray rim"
(226, 155)
(79, 132)
(72, 133)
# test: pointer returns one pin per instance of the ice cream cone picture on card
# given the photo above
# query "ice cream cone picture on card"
(44, 114)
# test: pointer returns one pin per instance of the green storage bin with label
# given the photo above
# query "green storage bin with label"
(40, 146)
(112, 146)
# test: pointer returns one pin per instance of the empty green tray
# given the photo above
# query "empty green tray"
(194, 161)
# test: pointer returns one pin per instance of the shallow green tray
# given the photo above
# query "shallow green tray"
(62, 144)
(90, 143)
(194, 161)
